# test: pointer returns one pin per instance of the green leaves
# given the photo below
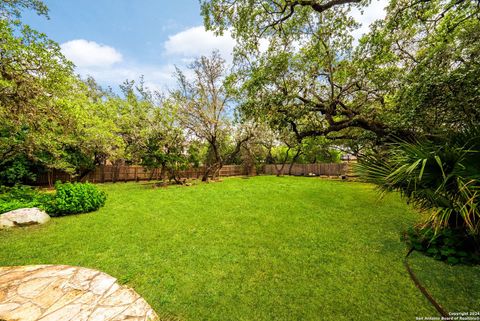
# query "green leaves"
(74, 198)
(437, 45)
(165, 144)
(12, 198)
(453, 246)
(34, 75)
(438, 176)
(12, 9)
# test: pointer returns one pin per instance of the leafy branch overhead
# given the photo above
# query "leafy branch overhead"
(248, 17)
(297, 65)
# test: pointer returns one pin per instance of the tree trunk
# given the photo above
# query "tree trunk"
(279, 172)
(216, 172)
(163, 175)
(49, 177)
(206, 174)
(297, 154)
(211, 170)
(174, 176)
(152, 173)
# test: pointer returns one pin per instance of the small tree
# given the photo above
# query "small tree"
(165, 146)
(206, 112)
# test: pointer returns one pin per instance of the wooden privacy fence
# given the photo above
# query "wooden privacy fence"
(328, 169)
(111, 173)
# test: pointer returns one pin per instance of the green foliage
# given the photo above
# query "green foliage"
(73, 198)
(308, 81)
(415, 73)
(34, 74)
(6, 206)
(425, 58)
(18, 192)
(165, 144)
(319, 150)
(50, 118)
(70, 198)
(17, 170)
(20, 196)
(12, 9)
(253, 20)
(451, 245)
(440, 176)
(205, 112)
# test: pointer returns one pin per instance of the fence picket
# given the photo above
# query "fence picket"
(322, 169)
(113, 173)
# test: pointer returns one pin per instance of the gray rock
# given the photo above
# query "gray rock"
(23, 217)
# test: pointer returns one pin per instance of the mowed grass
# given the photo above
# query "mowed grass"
(264, 248)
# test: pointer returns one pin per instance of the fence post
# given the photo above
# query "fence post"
(114, 173)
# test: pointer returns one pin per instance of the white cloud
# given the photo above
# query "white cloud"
(375, 11)
(107, 66)
(86, 53)
(156, 77)
(196, 41)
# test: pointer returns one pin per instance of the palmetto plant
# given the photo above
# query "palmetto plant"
(439, 175)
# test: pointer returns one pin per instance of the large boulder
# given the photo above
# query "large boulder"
(23, 217)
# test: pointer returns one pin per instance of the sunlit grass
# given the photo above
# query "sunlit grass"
(264, 248)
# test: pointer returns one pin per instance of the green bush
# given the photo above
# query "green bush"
(453, 246)
(18, 192)
(7, 206)
(16, 170)
(70, 198)
(19, 196)
(73, 198)
(439, 175)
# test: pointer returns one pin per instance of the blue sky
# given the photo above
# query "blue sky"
(113, 40)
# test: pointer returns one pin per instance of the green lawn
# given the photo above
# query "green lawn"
(264, 248)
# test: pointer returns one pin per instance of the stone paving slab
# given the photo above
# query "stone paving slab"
(67, 293)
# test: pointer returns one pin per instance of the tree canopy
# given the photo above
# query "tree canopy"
(300, 81)
(415, 72)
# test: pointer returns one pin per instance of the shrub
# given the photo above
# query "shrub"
(7, 206)
(16, 170)
(451, 245)
(19, 196)
(73, 198)
(440, 176)
(70, 198)
(18, 192)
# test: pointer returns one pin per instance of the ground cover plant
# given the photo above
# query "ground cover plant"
(20, 196)
(264, 248)
(68, 198)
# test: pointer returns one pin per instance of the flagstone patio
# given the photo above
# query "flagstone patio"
(64, 293)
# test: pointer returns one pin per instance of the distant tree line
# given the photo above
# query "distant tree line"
(301, 89)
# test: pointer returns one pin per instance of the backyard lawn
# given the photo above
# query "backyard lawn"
(264, 248)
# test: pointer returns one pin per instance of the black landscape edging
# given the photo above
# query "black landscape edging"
(422, 289)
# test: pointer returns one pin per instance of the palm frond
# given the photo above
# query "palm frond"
(441, 175)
